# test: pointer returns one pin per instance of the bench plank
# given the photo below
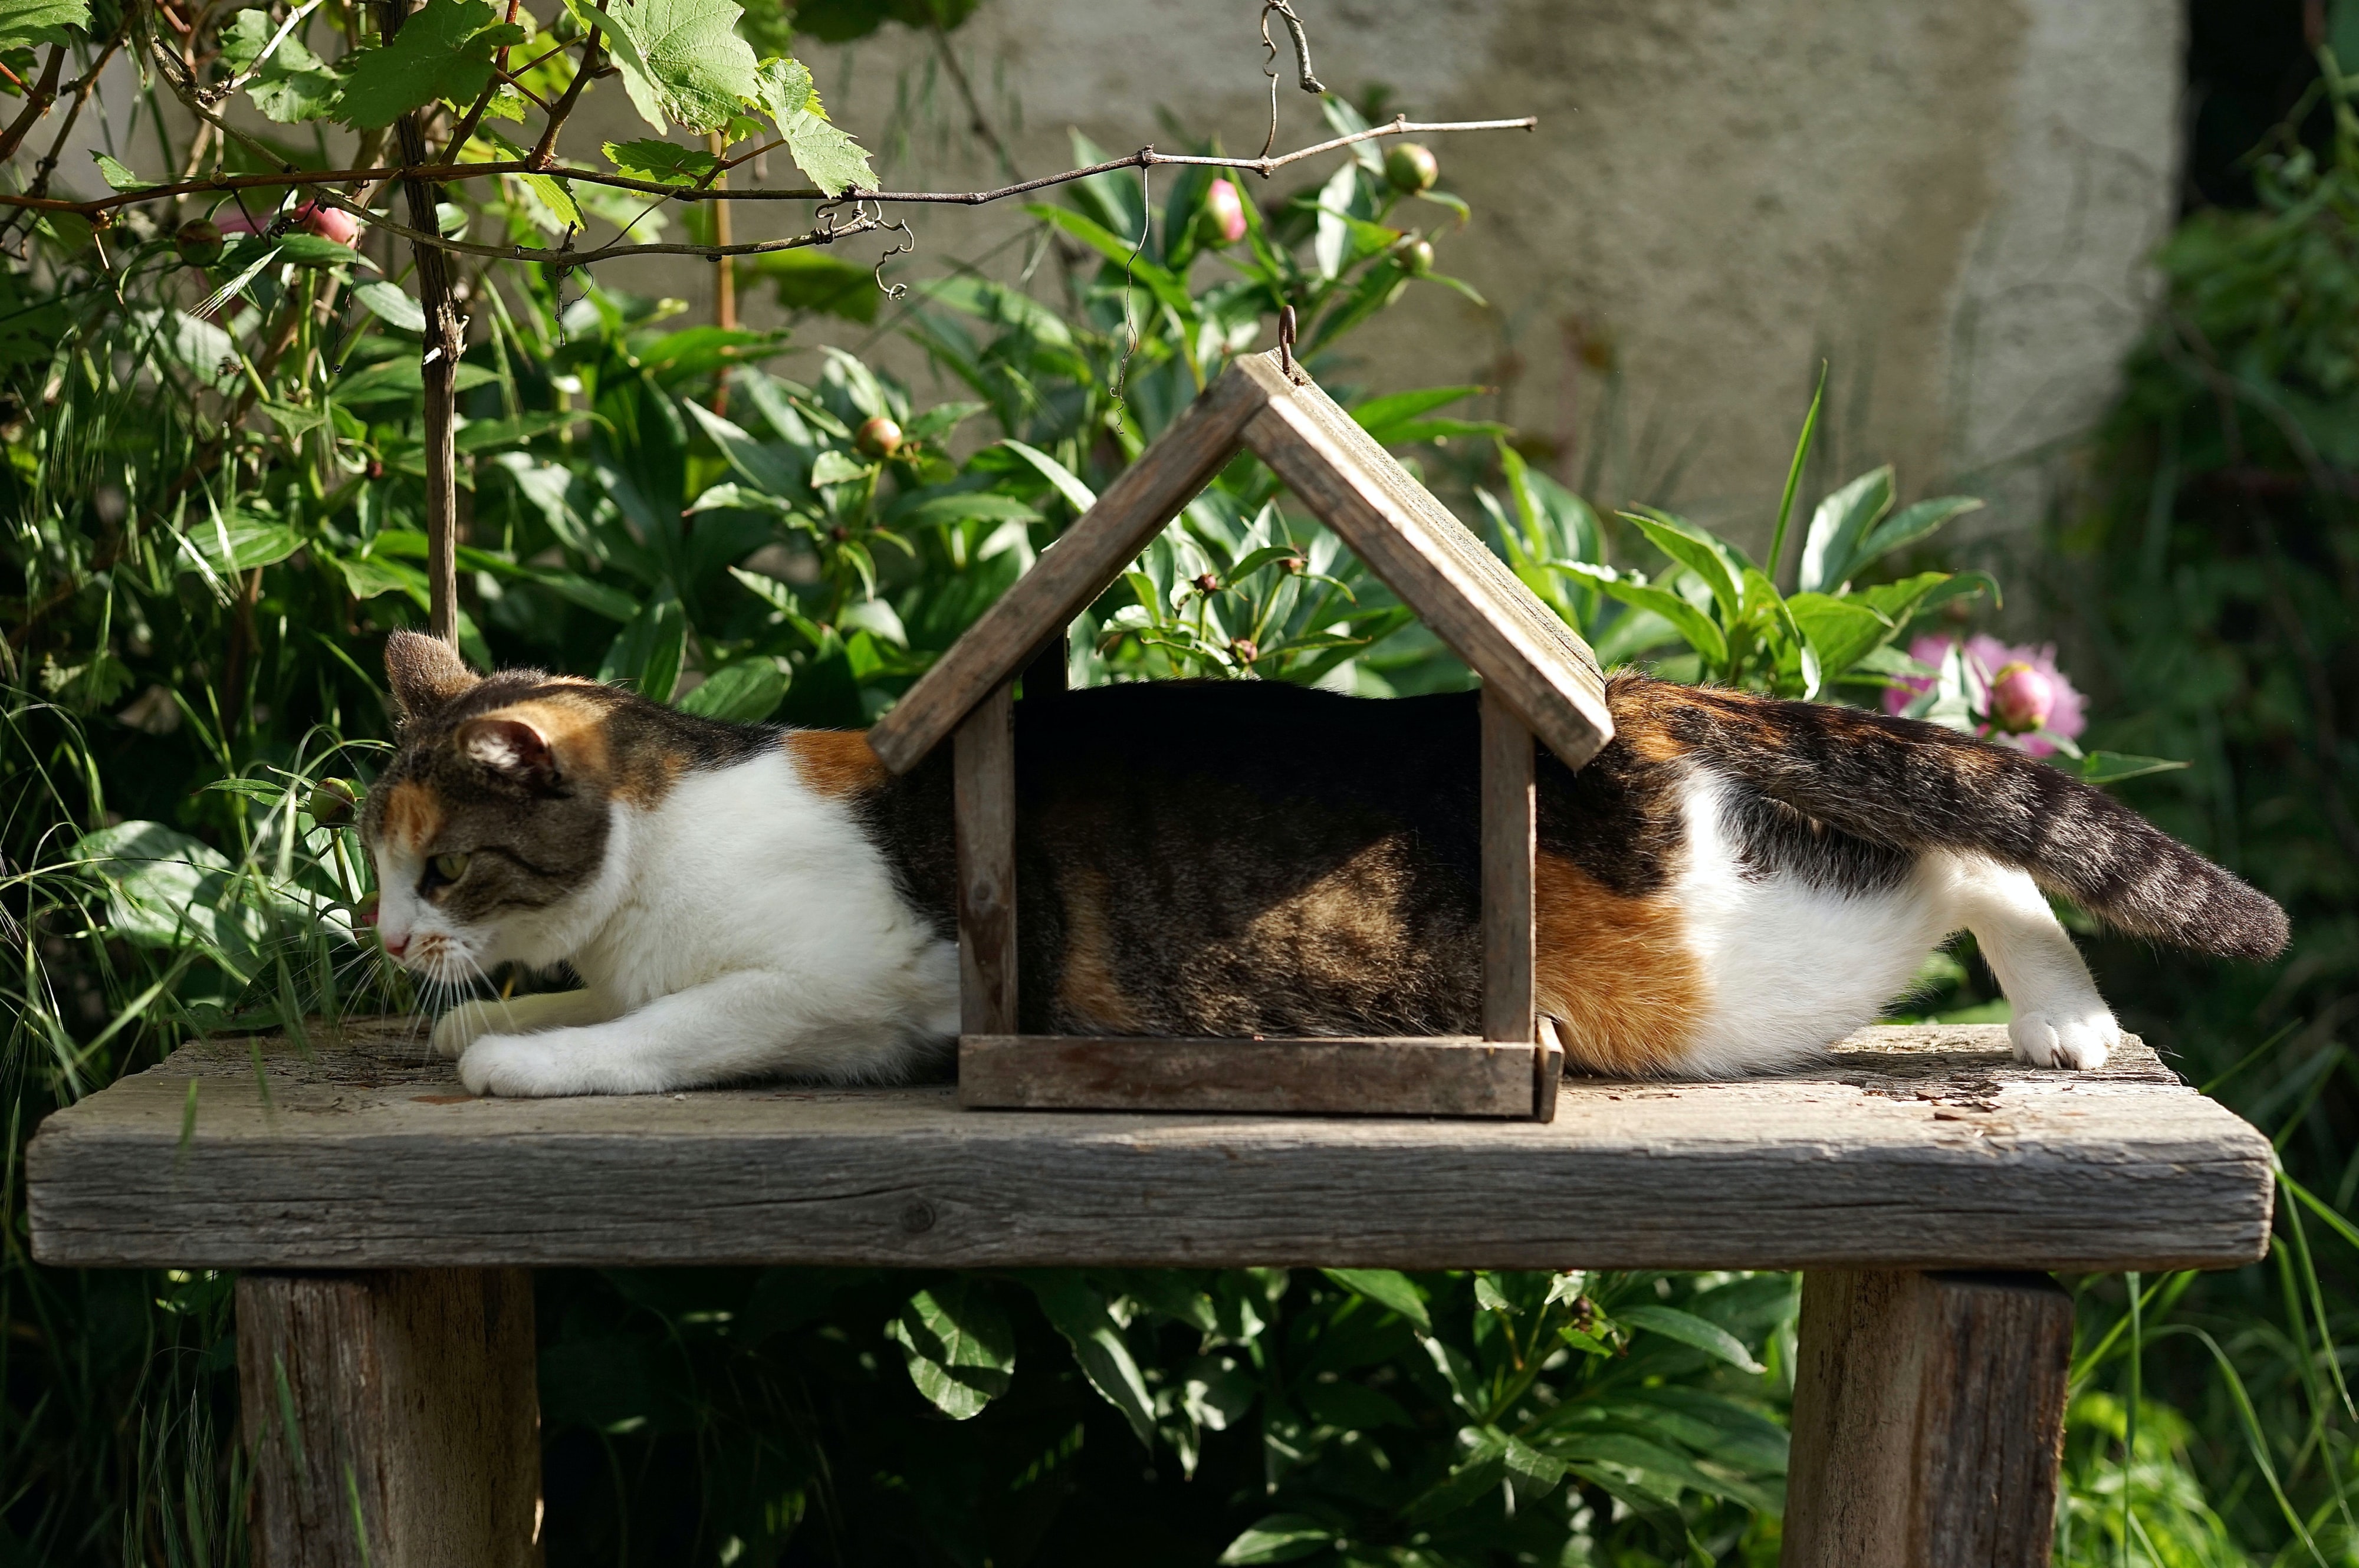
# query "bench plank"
(1916, 1148)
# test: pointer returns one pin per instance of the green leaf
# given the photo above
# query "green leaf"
(807, 278)
(1530, 1472)
(1159, 280)
(1062, 480)
(647, 650)
(960, 1350)
(1387, 1287)
(1843, 631)
(2113, 766)
(166, 889)
(680, 59)
(1831, 551)
(1794, 474)
(1912, 523)
(1378, 415)
(834, 162)
(26, 22)
(366, 576)
(443, 51)
(1688, 545)
(401, 380)
(553, 195)
(660, 162)
(388, 302)
(1687, 620)
(315, 250)
(1079, 1315)
(1690, 1330)
(1279, 1538)
(241, 544)
(291, 84)
(118, 176)
(491, 435)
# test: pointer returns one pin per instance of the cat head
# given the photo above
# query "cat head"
(494, 820)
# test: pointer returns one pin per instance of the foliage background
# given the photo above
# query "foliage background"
(683, 505)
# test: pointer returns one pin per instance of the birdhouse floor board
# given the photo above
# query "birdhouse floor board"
(1912, 1147)
(1416, 1076)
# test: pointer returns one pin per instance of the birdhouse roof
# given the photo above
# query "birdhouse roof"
(1441, 571)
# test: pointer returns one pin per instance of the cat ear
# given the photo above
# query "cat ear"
(511, 748)
(424, 673)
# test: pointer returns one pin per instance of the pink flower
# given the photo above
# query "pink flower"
(329, 223)
(2016, 691)
(1225, 213)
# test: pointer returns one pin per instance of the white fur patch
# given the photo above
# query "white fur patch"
(742, 928)
(1793, 967)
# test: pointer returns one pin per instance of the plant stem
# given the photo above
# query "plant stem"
(446, 340)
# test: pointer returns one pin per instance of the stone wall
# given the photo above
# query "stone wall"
(1951, 205)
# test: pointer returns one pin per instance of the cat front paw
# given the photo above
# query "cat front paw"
(516, 1066)
(460, 1027)
(2078, 1038)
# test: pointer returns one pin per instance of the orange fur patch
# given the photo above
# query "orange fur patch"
(1088, 988)
(1615, 973)
(412, 816)
(835, 762)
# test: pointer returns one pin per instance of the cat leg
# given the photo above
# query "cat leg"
(460, 1027)
(2060, 1018)
(745, 1024)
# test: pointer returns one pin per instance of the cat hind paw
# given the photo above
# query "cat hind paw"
(2080, 1039)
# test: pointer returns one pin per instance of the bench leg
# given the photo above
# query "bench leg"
(1929, 1421)
(392, 1418)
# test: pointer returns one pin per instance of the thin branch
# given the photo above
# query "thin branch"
(452, 173)
(977, 122)
(36, 104)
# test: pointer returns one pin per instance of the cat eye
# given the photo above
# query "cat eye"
(450, 867)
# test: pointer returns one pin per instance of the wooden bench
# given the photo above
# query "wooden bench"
(384, 1220)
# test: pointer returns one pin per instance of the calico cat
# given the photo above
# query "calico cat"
(1731, 885)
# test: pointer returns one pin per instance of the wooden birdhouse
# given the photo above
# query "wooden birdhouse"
(1539, 681)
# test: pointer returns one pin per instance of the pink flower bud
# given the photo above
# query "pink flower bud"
(329, 223)
(2021, 698)
(1224, 214)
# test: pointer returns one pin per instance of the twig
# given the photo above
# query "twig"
(36, 104)
(446, 172)
(445, 341)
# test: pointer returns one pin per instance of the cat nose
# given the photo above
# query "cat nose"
(395, 942)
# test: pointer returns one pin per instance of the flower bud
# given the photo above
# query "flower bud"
(1410, 167)
(877, 437)
(199, 241)
(329, 223)
(1207, 584)
(1414, 255)
(1246, 649)
(332, 800)
(1224, 219)
(2021, 698)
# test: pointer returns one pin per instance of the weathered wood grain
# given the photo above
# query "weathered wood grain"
(1909, 1149)
(1069, 573)
(1423, 1076)
(1462, 592)
(391, 1417)
(1929, 1421)
(1508, 846)
(984, 810)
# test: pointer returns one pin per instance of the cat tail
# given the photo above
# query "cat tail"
(1918, 786)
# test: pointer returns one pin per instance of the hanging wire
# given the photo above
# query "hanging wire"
(1130, 271)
